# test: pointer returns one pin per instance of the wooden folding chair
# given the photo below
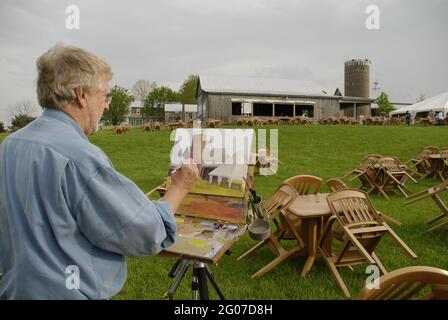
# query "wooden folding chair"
(408, 283)
(433, 149)
(433, 192)
(335, 184)
(421, 164)
(442, 171)
(287, 225)
(366, 172)
(391, 177)
(363, 229)
(271, 207)
(305, 184)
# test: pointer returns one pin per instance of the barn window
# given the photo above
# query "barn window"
(263, 109)
(236, 108)
(304, 110)
(284, 110)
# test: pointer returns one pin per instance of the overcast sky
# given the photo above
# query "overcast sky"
(166, 40)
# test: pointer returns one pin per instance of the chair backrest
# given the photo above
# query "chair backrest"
(335, 184)
(352, 208)
(279, 199)
(373, 156)
(397, 160)
(305, 184)
(424, 154)
(369, 161)
(408, 283)
(389, 164)
(432, 149)
(444, 154)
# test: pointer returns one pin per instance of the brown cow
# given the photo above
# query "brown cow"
(118, 130)
(148, 127)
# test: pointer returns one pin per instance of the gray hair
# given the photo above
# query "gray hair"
(62, 69)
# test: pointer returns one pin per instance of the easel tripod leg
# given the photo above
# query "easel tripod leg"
(199, 288)
(213, 282)
(175, 268)
(171, 291)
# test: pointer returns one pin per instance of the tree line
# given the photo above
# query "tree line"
(152, 98)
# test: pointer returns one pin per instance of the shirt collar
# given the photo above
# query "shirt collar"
(64, 117)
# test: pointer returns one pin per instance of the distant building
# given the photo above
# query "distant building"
(173, 112)
(134, 117)
(227, 97)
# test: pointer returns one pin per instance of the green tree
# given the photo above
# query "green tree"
(121, 99)
(22, 113)
(187, 92)
(20, 120)
(154, 102)
(2, 127)
(384, 104)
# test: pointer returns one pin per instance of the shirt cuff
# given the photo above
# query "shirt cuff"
(168, 220)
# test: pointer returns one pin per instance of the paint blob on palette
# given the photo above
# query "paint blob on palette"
(202, 238)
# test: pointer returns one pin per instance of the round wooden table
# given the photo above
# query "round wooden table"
(313, 210)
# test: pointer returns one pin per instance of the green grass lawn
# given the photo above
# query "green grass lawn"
(323, 151)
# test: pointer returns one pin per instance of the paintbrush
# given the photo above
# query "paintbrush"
(176, 168)
(252, 191)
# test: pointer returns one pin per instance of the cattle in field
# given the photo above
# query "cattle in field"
(122, 129)
(148, 127)
(157, 126)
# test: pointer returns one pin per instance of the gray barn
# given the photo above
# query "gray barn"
(224, 97)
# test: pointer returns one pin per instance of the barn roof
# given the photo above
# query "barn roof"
(257, 85)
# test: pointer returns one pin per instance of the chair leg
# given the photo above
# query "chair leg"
(251, 250)
(402, 190)
(390, 219)
(370, 189)
(351, 268)
(383, 193)
(438, 226)
(274, 245)
(271, 265)
(440, 216)
(400, 242)
(338, 277)
(379, 263)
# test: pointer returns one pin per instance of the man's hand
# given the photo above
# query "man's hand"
(185, 177)
(182, 182)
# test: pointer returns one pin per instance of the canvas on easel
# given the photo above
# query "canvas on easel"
(213, 215)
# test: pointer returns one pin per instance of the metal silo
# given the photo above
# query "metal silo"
(357, 78)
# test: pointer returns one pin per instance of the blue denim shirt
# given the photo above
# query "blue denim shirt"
(64, 209)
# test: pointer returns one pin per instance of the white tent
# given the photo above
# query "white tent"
(437, 103)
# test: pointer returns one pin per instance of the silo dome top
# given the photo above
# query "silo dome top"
(358, 62)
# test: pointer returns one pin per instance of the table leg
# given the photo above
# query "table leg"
(312, 246)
